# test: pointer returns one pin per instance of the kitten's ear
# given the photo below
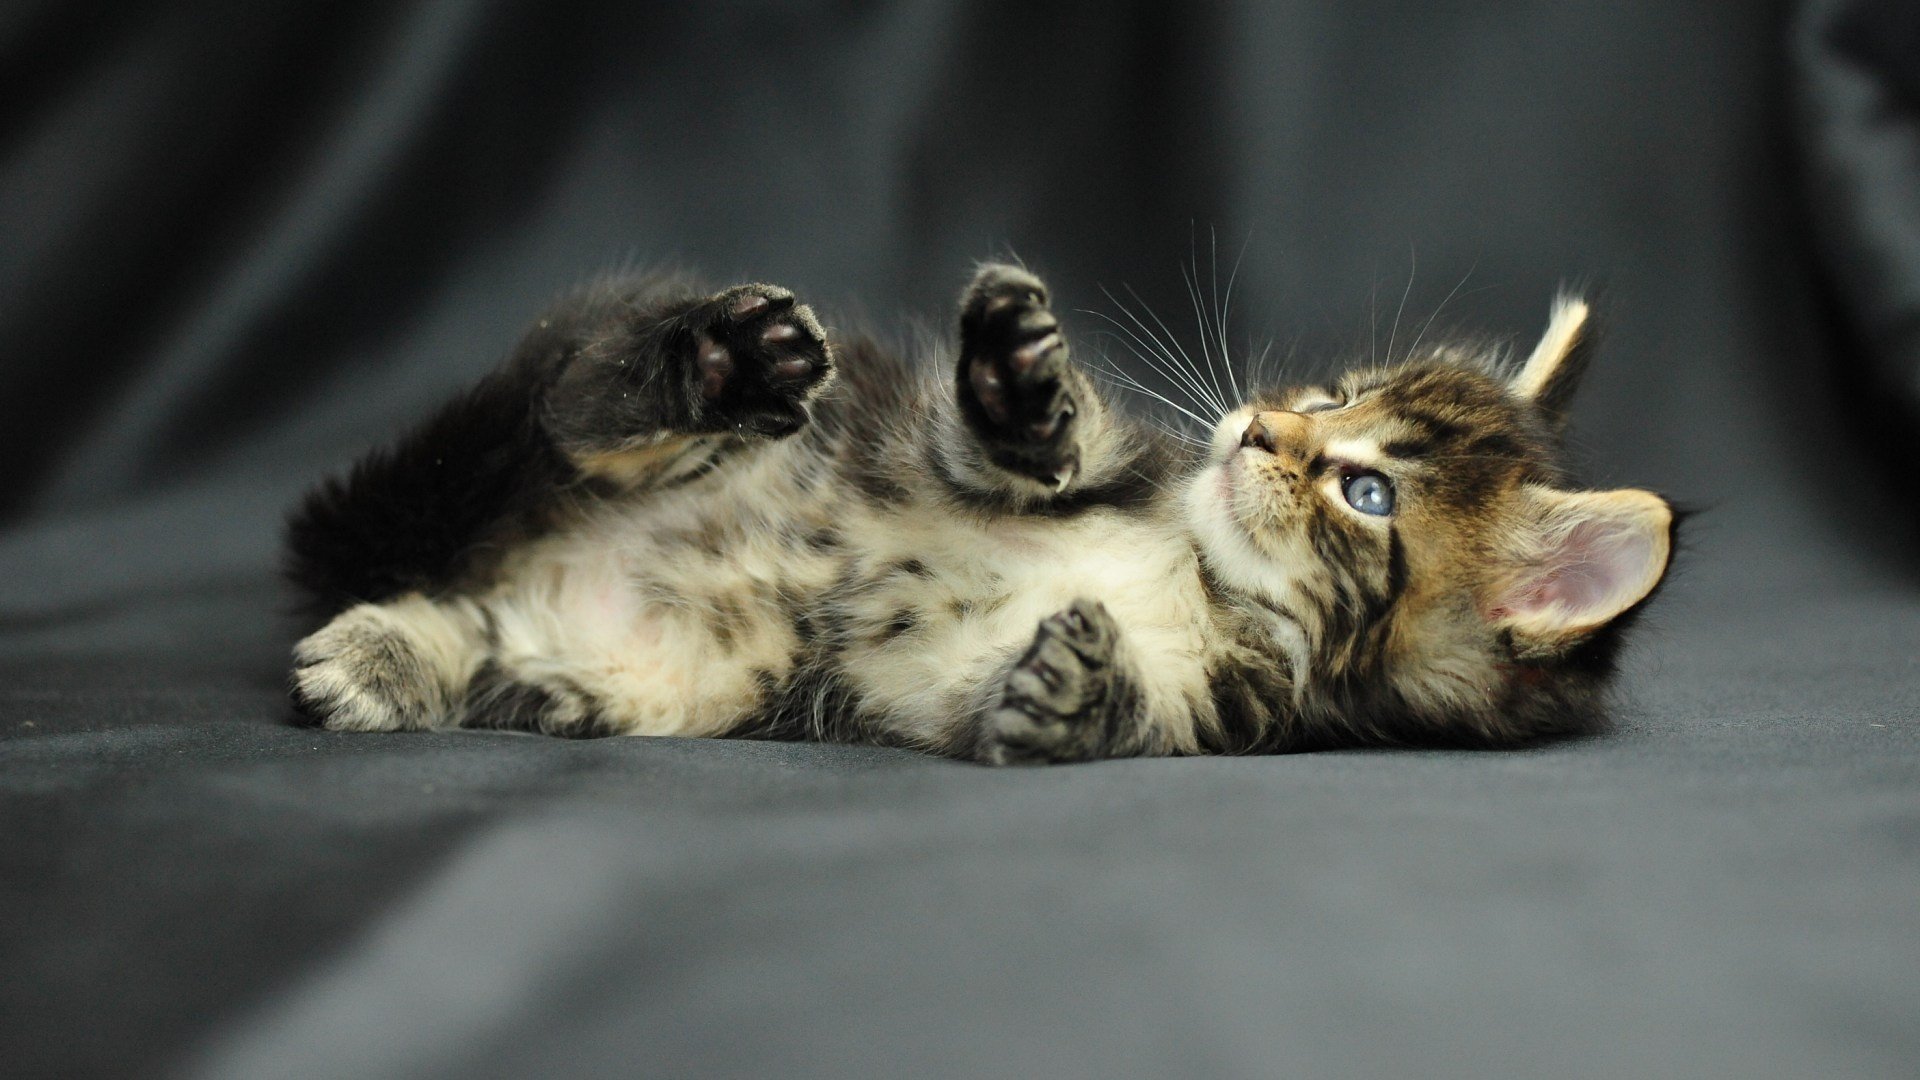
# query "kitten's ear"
(1553, 370)
(1579, 561)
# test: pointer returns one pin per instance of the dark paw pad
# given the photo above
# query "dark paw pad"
(1013, 384)
(1064, 696)
(758, 358)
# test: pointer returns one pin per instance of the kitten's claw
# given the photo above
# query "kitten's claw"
(748, 304)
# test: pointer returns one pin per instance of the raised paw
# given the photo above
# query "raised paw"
(758, 357)
(1015, 385)
(1066, 697)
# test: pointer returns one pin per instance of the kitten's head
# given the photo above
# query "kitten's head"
(1406, 537)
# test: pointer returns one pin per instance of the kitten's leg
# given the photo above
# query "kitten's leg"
(622, 385)
(397, 666)
(1073, 695)
(1035, 426)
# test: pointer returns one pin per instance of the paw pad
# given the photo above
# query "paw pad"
(1014, 383)
(758, 355)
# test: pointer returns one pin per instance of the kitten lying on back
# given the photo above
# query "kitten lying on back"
(664, 516)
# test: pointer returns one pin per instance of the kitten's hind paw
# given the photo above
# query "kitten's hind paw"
(374, 668)
(1066, 697)
(757, 358)
(1013, 383)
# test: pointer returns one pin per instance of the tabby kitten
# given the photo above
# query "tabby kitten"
(663, 515)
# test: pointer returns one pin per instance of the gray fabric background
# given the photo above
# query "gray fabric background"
(243, 245)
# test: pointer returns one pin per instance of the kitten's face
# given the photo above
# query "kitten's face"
(1405, 533)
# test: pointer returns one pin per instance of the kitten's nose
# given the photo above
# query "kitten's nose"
(1271, 431)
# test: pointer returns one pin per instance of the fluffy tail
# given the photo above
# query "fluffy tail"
(432, 510)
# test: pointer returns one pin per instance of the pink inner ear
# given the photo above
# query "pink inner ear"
(1597, 570)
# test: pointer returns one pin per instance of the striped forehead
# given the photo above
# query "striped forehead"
(1434, 409)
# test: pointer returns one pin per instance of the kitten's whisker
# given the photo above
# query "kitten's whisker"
(1122, 379)
(1413, 267)
(1424, 327)
(1174, 370)
(1170, 370)
(1152, 354)
(1206, 349)
(1189, 373)
(1183, 412)
(1257, 363)
(1218, 399)
(1166, 349)
(1185, 374)
(1193, 295)
(1175, 433)
(1225, 307)
(1373, 320)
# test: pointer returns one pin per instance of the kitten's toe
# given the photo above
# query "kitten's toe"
(1059, 702)
(1013, 387)
(759, 358)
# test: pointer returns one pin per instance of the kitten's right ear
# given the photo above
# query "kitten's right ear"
(1553, 370)
(1580, 560)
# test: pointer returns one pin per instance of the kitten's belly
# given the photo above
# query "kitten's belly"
(677, 618)
(945, 606)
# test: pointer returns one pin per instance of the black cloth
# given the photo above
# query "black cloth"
(1855, 67)
(241, 243)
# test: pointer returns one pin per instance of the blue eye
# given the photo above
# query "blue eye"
(1369, 493)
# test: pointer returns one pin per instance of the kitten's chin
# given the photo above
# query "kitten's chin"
(1211, 505)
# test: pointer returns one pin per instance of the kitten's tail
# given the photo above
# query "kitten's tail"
(428, 512)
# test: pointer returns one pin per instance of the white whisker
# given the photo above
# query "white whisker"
(1164, 366)
(1193, 295)
(1424, 327)
(1185, 374)
(1217, 398)
(1413, 267)
(1121, 378)
(1226, 305)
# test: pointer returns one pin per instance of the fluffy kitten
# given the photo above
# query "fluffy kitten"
(664, 515)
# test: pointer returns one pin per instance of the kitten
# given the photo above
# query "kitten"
(674, 513)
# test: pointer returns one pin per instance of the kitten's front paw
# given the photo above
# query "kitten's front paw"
(758, 358)
(1064, 698)
(1012, 383)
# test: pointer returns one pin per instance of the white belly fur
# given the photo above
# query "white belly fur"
(670, 638)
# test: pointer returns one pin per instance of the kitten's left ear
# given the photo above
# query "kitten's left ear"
(1553, 370)
(1581, 559)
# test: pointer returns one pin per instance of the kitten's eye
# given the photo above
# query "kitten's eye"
(1369, 493)
(1318, 406)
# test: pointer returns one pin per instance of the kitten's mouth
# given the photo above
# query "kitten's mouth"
(1246, 496)
(1230, 488)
